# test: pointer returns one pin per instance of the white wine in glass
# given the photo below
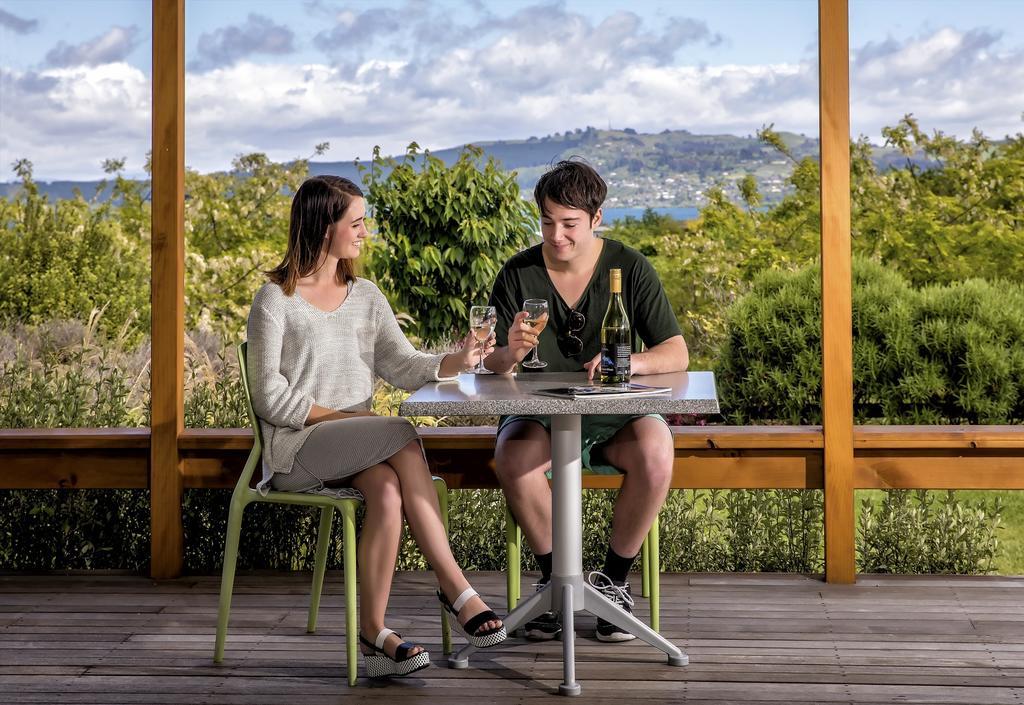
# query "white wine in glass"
(537, 318)
(482, 320)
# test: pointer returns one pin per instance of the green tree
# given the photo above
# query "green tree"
(65, 259)
(935, 224)
(444, 234)
(236, 227)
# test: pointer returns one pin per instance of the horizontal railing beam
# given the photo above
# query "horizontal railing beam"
(729, 457)
(72, 468)
(940, 469)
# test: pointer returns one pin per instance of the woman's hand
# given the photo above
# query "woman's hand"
(473, 350)
(320, 413)
(467, 356)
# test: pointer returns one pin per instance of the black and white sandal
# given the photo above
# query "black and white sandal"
(480, 640)
(380, 665)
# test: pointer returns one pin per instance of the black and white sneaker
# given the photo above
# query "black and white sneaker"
(619, 594)
(544, 627)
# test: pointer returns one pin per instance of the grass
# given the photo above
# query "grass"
(1010, 560)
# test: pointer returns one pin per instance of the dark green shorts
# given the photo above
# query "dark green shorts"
(596, 430)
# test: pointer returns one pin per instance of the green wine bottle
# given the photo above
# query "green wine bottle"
(616, 343)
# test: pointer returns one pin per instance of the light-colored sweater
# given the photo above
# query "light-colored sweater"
(299, 355)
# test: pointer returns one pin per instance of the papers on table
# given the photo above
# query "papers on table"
(590, 391)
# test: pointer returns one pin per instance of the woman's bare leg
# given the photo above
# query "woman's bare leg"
(419, 499)
(378, 548)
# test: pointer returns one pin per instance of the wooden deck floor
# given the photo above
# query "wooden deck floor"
(751, 639)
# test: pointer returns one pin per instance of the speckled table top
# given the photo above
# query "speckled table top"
(492, 395)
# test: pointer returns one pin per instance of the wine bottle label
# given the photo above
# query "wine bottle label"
(615, 363)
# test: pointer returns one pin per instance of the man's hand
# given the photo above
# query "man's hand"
(593, 367)
(521, 337)
(521, 340)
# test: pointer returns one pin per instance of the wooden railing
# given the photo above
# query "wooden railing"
(731, 457)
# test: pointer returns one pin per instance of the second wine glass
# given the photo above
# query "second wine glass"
(482, 320)
(537, 318)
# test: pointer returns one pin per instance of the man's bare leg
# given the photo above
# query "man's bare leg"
(643, 450)
(521, 457)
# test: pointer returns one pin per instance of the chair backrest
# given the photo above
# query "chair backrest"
(257, 434)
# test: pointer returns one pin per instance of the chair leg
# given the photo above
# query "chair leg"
(323, 545)
(227, 578)
(513, 549)
(442, 501)
(348, 513)
(645, 563)
(654, 574)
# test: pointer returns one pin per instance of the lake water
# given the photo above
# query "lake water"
(681, 213)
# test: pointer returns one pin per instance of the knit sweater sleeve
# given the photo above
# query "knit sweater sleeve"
(274, 398)
(396, 361)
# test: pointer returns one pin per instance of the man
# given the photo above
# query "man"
(570, 269)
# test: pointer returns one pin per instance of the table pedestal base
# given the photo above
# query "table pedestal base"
(567, 592)
(569, 595)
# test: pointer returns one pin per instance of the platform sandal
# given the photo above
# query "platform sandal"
(380, 665)
(480, 640)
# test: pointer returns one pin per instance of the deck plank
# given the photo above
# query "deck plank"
(752, 639)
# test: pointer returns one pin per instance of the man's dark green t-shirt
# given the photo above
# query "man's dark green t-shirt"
(525, 277)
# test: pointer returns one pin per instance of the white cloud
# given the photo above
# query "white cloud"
(516, 84)
(69, 120)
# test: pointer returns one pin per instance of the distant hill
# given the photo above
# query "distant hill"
(59, 189)
(669, 168)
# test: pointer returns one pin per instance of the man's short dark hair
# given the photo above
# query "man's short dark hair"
(573, 184)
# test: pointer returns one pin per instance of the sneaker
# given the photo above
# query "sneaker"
(619, 594)
(546, 626)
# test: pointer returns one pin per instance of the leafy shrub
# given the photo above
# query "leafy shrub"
(916, 532)
(74, 529)
(64, 374)
(940, 355)
(775, 530)
(444, 234)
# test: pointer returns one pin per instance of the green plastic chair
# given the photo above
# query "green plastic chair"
(650, 566)
(245, 495)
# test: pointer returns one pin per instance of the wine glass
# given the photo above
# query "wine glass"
(482, 320)
(537, 318)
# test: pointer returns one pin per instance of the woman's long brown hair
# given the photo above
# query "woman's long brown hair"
(319, 203)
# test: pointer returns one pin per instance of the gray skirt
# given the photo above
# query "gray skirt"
(336, 450)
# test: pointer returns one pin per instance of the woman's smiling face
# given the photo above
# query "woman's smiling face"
(349, 233)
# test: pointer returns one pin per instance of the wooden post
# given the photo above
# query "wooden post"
(836, 287)
(168, 287)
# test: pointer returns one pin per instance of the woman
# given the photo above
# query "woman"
(318, 337)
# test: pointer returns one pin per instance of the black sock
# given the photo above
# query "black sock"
(617, 567)
(544, 561)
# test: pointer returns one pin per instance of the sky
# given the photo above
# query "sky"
(280, 77)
